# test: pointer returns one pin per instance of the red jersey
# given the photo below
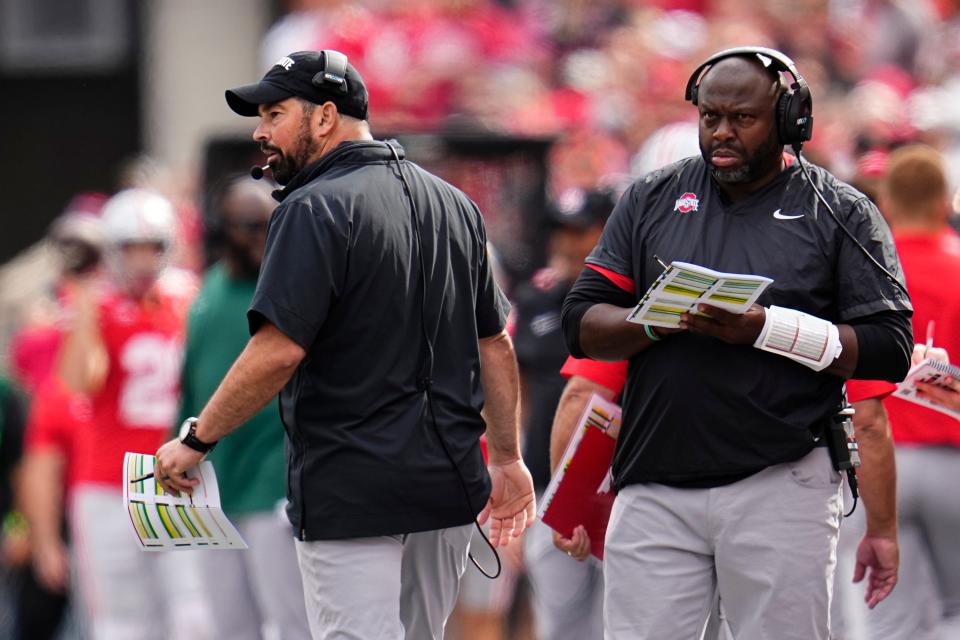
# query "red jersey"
(33, 353)
(138, 403)
(858, 390)
(931, 264)
(57, 419)
(613, 376)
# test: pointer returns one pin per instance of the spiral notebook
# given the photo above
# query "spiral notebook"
(930, 372)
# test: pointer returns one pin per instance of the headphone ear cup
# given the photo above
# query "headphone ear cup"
(785, 131)
(802, 113)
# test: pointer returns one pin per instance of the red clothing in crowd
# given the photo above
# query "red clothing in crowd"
(58, 420)
(931, 263)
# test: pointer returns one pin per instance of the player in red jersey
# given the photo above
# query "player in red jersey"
(124, 351)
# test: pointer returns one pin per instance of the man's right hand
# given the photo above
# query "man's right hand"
(512, 505)
(921, 353)
(577, 546)
(878, 560)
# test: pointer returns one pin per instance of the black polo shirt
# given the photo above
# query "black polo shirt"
(699, 411)
(341, 277)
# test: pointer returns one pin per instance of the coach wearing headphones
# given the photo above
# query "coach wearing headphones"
(722, 482)
(377, 320)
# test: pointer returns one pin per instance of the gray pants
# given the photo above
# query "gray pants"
(123, 592)
(389, 587)
(567, 594)
(767, 543)
(925, 605)
(258, 592)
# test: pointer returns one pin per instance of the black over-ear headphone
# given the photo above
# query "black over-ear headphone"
(794, 111)
(334, 74)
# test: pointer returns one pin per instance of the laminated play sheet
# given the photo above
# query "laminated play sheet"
(163, 522)
(682, 286)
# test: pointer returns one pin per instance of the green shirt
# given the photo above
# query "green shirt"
(250, 461)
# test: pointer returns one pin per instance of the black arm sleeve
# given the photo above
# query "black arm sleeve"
(590, 288)
(885, 343)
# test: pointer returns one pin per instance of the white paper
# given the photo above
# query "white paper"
(682, 286)
(163, 522)
(930, 372)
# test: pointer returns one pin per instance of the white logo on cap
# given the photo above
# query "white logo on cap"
(286, 62)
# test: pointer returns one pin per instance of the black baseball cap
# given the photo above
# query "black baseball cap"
(580, 209)
(311, 75)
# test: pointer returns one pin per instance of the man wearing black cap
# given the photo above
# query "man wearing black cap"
(374, 311)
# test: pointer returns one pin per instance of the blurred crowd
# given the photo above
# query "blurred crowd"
(606, 74)
(603, 80)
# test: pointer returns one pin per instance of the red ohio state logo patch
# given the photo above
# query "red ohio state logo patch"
(687, 202)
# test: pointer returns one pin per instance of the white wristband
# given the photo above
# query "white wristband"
(807, 339)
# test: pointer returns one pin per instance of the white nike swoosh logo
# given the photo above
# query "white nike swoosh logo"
(780, 216)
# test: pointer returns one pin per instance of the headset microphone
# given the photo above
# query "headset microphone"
(257, 172)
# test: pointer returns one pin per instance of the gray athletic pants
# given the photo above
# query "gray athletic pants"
(257, 593)
(925, 604)
(767, 543)
(567, 594)
(399, 587)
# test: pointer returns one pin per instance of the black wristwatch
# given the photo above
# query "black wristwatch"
(188, 436)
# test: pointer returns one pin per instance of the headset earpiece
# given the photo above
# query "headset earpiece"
(794, 109)
(784, 104)
(334, 74)
(796, 122)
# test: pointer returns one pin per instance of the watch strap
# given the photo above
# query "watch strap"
(191, 440)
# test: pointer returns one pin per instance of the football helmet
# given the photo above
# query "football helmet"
(132, 219)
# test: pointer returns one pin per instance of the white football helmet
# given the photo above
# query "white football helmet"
(137, 217)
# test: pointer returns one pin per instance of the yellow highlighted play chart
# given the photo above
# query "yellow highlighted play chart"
(162, 522)
(682, 286)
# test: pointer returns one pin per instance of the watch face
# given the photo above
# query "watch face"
(185, 429)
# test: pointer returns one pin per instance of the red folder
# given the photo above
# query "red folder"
(580, 492)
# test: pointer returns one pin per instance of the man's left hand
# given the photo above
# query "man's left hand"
(878, 558)
(733, 328)
(173, 460)
(512, 506)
